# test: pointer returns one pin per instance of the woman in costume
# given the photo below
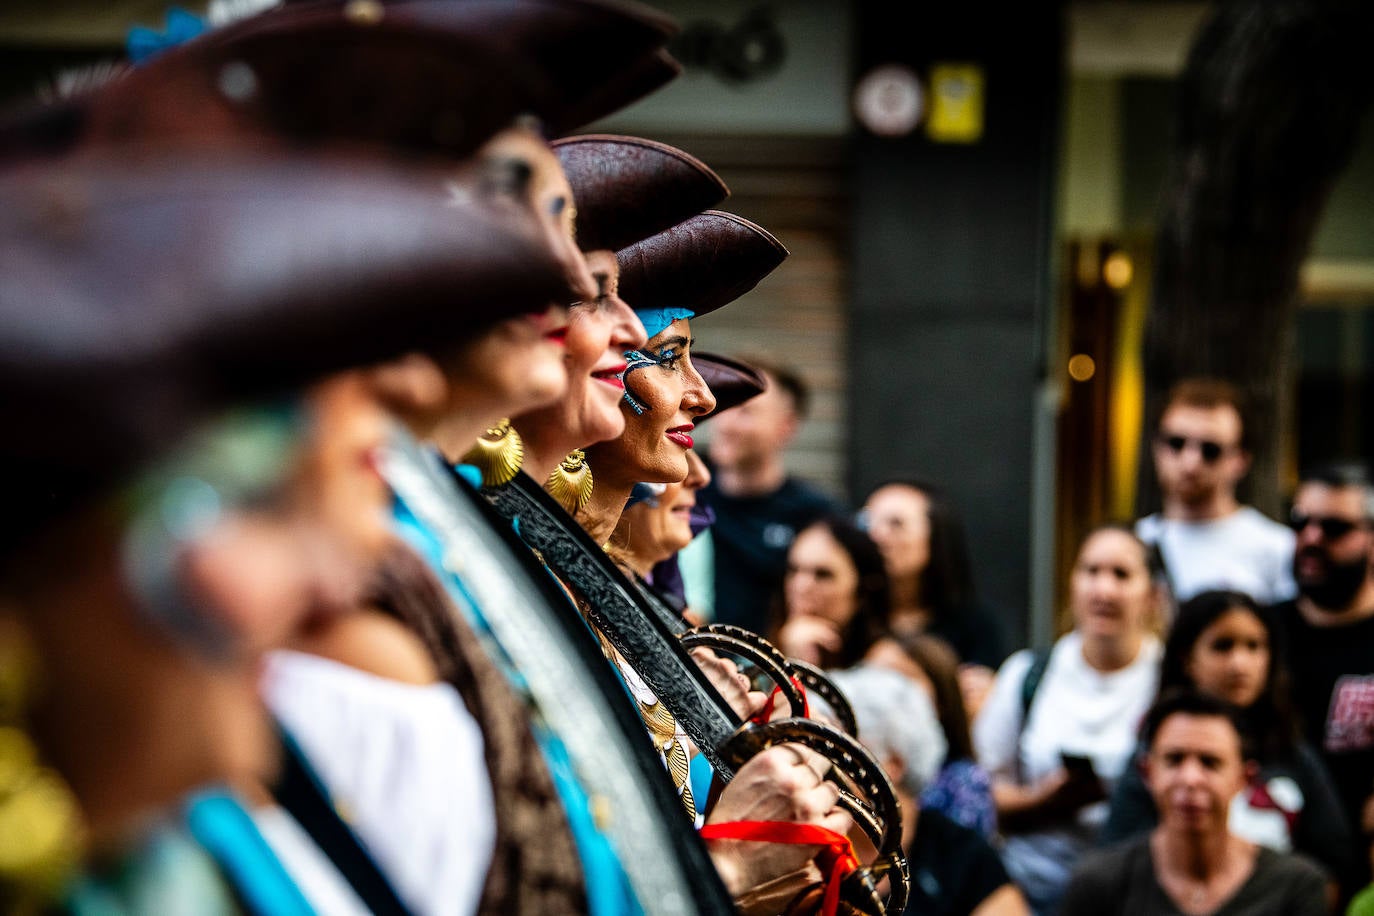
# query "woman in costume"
(146, 570)
(662, 519)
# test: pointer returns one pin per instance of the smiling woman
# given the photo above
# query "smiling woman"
(687, 271)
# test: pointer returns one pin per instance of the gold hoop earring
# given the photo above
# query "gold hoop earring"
(497, 454)
(570, 484)
(41, 827)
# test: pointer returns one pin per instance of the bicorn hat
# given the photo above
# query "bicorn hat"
(629, 188)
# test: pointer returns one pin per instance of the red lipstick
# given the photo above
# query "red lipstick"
(679, 435)
(612, 376)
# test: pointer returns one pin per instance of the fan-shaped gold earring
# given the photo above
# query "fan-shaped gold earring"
(570, 484)
(498, 454)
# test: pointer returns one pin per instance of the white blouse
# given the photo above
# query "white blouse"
(405, 765)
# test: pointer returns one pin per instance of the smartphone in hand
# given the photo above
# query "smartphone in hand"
(1083, 775)
(1079, 767)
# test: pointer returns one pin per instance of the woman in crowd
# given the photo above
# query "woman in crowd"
(1191, 863)
(954, 869)
(834, 596)
(1058, 729)
(961, 790)
(921, 537)
(1221, 644)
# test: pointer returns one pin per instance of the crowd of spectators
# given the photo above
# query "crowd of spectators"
(1199, 738)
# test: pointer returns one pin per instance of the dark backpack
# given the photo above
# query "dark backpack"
(1040, 660)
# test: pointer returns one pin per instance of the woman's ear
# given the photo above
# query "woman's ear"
(413, 387)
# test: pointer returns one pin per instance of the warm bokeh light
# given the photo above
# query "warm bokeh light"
(1081, 367)
(1118, 270)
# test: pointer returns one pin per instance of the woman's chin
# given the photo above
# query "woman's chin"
(602, 424)
(541, 391)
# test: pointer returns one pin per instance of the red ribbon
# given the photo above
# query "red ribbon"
(761, 717)
(836, 857)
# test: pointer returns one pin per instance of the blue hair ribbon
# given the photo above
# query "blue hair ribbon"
(657, 320)
(142, 43)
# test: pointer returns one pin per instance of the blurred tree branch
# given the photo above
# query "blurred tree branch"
(1267, 118)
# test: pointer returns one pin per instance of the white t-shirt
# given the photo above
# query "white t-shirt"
(405, 764)
(1246, 552)
(1077, 710)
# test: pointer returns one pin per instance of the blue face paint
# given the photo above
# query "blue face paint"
(634, 359)
(657, 320)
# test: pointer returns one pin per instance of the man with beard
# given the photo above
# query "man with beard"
(1208, 539)
(1329, 632)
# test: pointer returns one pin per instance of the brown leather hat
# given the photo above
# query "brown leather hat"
(434, 77)
(136, 297)
(592, 57)
(699, 265)
(731, 381)
(629, 188)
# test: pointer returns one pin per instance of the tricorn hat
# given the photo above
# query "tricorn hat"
(430, 77)
(593, 57)
(731, 381)
(136, 297)
(629, 188)
(695, 267)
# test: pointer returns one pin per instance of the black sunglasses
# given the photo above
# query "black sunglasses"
(1209, 450)
(1331, 526)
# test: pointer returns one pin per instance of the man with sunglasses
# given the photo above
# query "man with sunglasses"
(1329, 633)
(1208, 539)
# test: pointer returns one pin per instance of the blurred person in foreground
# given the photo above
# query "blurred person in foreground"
(160, 542)
(759, 506)
(1191, 863)
(954, 870)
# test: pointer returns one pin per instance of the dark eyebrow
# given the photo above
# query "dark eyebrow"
(676, 342)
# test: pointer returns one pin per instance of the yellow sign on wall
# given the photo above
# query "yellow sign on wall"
(956, 103)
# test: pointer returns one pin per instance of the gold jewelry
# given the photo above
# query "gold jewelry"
(498, 454)
(41, 830)
(570, 484)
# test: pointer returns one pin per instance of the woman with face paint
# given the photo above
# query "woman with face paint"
(625, 189)
(661, 519)
(688, 271)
